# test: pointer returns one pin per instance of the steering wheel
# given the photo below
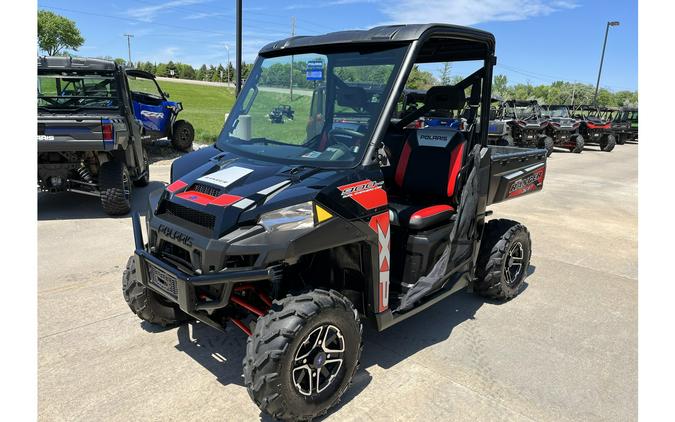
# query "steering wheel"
(339, 131)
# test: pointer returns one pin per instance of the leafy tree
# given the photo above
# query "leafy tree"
(120, 61)
(500, 85)
(56, 33)
(420, 79)
(202, 73)
(445, 73)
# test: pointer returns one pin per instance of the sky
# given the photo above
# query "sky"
(538, 41)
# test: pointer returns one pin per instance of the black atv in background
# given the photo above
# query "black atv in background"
(88, 139)
(594, 127)
(562, 128)
(522, 125)
(625, 125)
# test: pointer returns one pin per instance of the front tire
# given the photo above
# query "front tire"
(579, 144)
(146, 304)
(503, 259)
(289, 371)
(183, 135)
(607, 143)
(115, 187)
(546, 142)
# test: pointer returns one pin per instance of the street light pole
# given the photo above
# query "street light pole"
(129, 37)
(238, 46)
(602, 59)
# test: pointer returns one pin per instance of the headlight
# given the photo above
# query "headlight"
(295, 217)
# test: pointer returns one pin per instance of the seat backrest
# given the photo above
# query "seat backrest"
(430, 162)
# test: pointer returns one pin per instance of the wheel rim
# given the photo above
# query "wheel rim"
(514, 264)
(184, 134)
(318, 360)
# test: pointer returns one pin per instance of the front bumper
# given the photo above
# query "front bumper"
(180, 287)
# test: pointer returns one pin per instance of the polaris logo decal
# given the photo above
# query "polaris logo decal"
(45, 138)
(175, 235)
(152, 114)
(434, 139)
(359, 187)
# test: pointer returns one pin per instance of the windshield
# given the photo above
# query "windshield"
(522, 112)
(322, 113)
(77, 91)
(557, 112)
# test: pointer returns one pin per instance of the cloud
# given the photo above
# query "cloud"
(331, 3)
(471, 12)
(149, 13)
(202, 15)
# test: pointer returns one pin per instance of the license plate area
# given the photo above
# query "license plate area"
(162, 279)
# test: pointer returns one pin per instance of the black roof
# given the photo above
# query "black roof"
(382, 34)
(74, 63)
(521, 103)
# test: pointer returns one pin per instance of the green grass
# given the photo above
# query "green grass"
(204, 106)
(291, 131)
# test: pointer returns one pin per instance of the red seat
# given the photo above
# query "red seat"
(426, 178)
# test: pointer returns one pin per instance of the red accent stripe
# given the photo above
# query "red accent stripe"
(433, 210)
(196, 197)
(593, 126)
(205, 199)
(176, 186)
(455, 165)
(225, 200)
(402, 164)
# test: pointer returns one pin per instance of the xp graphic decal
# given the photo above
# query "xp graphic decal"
(380, 225)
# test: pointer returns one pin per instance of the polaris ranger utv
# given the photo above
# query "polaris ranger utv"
(594, 128)
(522, 124)
(625, 125)
(297, 236)
(562, 128)
(88, 139)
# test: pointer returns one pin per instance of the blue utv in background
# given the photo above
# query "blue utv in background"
(156, 113)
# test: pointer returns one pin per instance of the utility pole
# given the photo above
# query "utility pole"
(238, 46)
(129, 37)
(602, 59)
(292, 35)
(227, 69)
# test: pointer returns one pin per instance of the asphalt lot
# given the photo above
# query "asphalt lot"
(565, 349)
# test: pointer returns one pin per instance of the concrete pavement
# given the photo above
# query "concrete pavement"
(565, 349)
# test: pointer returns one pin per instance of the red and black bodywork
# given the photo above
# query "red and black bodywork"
(594, 127)
(377, 226)
(562, 128)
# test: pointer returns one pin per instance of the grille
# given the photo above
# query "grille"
(200, 218)
(162, 279)
(209, 190)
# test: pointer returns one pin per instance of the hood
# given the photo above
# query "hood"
(563, 121)
(230, 191)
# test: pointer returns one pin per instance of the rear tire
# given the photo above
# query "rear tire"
(620, 139)
(506, 141)
(183, 135)
(546, 142)
(145, 179)
(607, 143)
(503, 259)
(115, 186)
(579, 144)
(146, 304)
(285, 354)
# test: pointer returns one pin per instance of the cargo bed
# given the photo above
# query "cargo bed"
(514, 172)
